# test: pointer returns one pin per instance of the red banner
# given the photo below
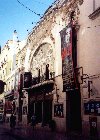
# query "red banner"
(67, 60)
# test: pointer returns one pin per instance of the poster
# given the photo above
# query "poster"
(67, 62)
(58, 110)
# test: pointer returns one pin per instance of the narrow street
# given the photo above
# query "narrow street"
(5, 135)
(26, 133)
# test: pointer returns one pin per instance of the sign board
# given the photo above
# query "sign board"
(67, 61)
(92, 107)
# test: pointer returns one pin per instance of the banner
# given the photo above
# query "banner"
(67, 61)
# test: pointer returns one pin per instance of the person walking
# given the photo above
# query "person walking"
(12, 121)
(33, 121)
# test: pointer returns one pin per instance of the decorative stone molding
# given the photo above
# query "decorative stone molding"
(48, 21)
(52, 38)
(43, 28)
(40, 60)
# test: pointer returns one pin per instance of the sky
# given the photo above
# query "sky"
(15, 15)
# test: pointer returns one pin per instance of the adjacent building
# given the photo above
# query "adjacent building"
(9, 73)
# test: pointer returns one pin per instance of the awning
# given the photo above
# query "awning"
(46, 86)
(42, 84)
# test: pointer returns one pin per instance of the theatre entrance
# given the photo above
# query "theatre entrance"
(42, 109)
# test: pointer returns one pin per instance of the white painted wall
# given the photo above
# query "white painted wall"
(88, 40)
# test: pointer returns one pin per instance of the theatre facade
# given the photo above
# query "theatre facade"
(64, 82)
(54, 93)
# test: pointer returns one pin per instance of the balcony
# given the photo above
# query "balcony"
(43, 78)
(42, 84)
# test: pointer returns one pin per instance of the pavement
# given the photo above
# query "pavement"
(25, 132)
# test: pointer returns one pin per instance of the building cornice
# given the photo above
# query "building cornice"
(48, 20)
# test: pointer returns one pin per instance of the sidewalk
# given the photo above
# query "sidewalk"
(42, 133)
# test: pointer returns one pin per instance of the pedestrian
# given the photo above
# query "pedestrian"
(33, 121)
(12, 121)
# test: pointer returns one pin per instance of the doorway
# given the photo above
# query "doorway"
(43, 111)
(38, 111)
(73, 104)
(47, 111)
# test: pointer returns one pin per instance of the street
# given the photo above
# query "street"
(4, 135)
(25, 133)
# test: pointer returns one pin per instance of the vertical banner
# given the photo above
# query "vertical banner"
(67, 61)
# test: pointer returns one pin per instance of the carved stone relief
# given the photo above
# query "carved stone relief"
(42, 57)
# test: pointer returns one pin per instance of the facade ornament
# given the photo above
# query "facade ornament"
(78, 11)
(52, 38)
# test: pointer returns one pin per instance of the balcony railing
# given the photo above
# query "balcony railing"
(42, 78)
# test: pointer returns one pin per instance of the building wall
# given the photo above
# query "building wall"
(52, 27)
(88, 43)
(88, 57)
(88, 40)
(9, 71)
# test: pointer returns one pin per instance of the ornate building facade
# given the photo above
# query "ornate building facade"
(47, 98)
(71, 67)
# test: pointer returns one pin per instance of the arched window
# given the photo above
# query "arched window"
(43, 56)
